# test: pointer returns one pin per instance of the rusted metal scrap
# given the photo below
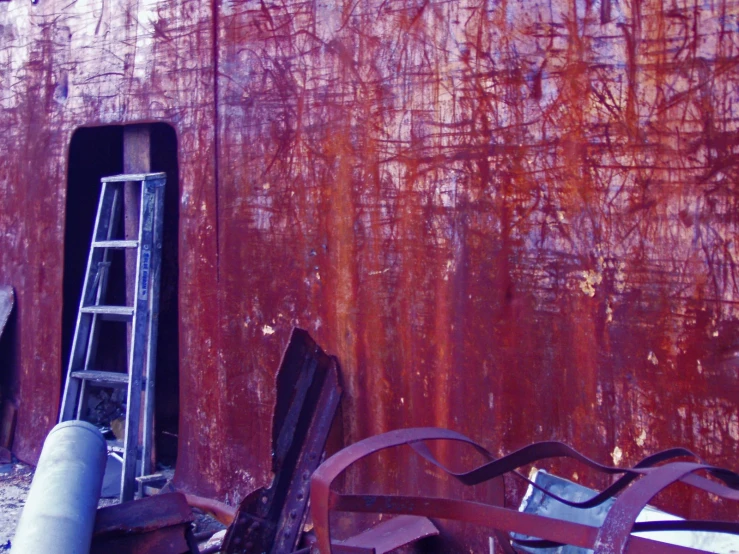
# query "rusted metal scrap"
(636, 485)
(217, 510)
(154, 525)
(387, 536)
(538, 502)
(308, 395)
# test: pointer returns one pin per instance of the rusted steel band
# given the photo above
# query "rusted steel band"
(507, 520)
(730, 527)
(336, 464)
(620, 521)
(494, 517)
(615, 533)
(730, 491)
(551, 449)
(539, 451)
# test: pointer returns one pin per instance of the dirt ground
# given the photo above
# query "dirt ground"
(15, 480)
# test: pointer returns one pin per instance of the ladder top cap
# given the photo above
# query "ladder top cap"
(132, 177)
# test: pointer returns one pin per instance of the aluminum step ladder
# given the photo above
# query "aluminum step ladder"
(144, 314)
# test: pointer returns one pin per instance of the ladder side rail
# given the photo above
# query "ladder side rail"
(92, 276)
(82, 326)
(151, 346)
(102, 289)
(136, 355)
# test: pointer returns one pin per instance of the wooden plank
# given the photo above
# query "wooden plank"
(136, 160)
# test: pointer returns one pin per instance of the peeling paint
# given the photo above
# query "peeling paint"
(617, 455)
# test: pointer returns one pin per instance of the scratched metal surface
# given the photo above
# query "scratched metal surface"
(506, 218)
(512, 219)
(68, 64)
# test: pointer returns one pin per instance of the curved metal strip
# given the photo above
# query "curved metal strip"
(615, 533)
(336, 464)
(323, 499)
(552, 449)
(485, 515)
(729, 527)
(728, 491)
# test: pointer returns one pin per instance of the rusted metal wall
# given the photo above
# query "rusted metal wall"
(64, 65)
(513, 219)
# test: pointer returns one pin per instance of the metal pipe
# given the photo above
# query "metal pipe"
(59, 514)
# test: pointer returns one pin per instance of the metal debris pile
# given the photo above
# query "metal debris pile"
(293, 514)
(628, 496)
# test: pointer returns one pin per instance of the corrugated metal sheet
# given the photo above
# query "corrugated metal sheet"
(513, 219)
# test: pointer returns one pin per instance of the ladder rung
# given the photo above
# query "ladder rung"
(133, 177)
(153, 479)
(106, 378)
(115, 244)
(115, 313)
(116, 455)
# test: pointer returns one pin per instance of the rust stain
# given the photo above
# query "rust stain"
(513, 219)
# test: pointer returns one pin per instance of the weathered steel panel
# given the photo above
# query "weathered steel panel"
(515, 219)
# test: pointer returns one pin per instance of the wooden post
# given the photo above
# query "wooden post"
(136, 159)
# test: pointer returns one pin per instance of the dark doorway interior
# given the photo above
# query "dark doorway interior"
(95, 152)
(8, 378)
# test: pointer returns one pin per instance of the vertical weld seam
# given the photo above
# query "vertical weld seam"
(220, 463)
(216, 135)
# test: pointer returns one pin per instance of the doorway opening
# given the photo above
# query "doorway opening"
(96, 152)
